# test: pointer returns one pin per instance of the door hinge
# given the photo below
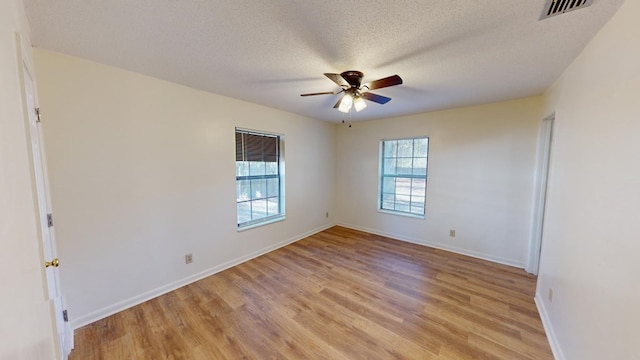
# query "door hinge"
(38, 115)
(49, 220)
(65, 316)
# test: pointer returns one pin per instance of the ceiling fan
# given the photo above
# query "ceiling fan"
(355, 92)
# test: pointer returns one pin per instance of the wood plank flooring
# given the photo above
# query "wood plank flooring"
(339, 294)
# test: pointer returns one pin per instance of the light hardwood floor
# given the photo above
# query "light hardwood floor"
(339, 294)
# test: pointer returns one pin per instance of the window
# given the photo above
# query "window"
(259, 178)
(403, 176)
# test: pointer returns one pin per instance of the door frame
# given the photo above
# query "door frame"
(541, 177)
(61, 328)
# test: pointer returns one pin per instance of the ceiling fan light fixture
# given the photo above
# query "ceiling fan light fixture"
(359, 104)
(345, 104)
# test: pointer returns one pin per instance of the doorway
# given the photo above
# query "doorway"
(540, 193)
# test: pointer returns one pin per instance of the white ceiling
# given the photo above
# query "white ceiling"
(450, 53)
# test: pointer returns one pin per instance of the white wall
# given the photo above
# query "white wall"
(143, 172)
(480, 178)
(26, 330)
(591, 238)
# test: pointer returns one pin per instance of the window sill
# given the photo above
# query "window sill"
(266, 222)
(398, 213)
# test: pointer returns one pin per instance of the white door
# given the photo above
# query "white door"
(50, 260)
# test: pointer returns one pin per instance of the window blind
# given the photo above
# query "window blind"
(256, 147)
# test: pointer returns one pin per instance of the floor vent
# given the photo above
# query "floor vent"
(557, 7)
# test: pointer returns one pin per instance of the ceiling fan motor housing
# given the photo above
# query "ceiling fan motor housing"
(353, 77)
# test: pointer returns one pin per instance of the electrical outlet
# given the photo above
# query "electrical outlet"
(452, 233)
(326, 214)
(550, 295)
(188, 259)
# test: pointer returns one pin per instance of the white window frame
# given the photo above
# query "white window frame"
(381, 177)
(281, 177)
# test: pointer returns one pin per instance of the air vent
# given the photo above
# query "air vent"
(557, 7)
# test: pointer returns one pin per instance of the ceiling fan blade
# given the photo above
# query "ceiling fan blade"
(337, 105)
(338, 79)
(385, 82)
(320, 93)
(376, 98)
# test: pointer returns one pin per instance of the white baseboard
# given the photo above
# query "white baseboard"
(139, 299)
(453, 249)
(546, 323)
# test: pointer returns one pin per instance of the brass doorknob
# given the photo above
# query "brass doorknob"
(55, 263)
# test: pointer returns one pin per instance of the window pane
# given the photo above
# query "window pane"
(273, 188)
(405, 148)
(258, 189)
(403, 186)
(258, 209)
(243, 190)
(402, 206)
(390, 166)
(388, 185)
(418, 187)
(272, 206)
(272, 168)
(242, 168)
(388, 201)
(417, 209)
(389, 196)
(256, 168)
(417, 200)
(420, 147)
(403, 199)
(390, 148)
(388, 205)
(244, 212)
(404, 166)
(420, 166)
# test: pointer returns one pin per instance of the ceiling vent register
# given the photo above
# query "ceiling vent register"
(557, 7)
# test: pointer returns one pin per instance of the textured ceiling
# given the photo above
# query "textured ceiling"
(450, 53)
